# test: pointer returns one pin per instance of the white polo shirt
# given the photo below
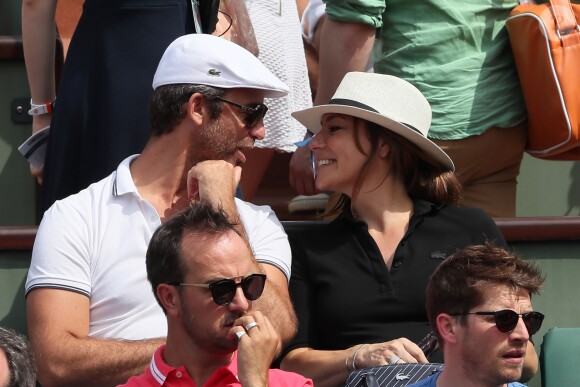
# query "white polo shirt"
(94, 243)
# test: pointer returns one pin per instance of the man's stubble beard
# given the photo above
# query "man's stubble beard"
(213, 342)
(216, 142)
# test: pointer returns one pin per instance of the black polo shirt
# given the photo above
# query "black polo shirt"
(343, 292)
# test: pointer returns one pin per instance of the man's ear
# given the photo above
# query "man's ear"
(197, 108)
(169, 297)
(448, 327)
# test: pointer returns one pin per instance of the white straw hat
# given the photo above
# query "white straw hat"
(204, 59)
(388, 101)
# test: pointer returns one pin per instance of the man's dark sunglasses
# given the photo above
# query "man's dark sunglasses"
(253, 115)
(223, 291)
(507, 319)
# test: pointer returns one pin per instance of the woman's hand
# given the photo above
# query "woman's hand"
(405, 350)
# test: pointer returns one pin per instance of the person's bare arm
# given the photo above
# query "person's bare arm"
(325, 368)
(344, 47)
(38, 38)
(215, 181)
(275, 302)
(58, 327)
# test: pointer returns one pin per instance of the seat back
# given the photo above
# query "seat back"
(560, 357)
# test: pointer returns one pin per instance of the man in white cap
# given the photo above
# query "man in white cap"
(206, 280)
(92, 319)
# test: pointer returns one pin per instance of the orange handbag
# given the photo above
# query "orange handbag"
(545, 40)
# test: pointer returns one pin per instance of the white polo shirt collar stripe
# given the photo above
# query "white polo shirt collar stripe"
(123, 181)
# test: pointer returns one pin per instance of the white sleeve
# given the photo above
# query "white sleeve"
(60, 256)
(310, 17)
(266, 235)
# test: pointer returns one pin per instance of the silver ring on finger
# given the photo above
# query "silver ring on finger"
(251, 325)
(394, 359)
(239, 334)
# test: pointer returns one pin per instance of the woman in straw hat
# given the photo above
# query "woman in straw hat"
(358, 282)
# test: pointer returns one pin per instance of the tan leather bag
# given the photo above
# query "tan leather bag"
(545, 40)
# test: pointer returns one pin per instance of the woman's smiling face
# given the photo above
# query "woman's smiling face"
(338, 160)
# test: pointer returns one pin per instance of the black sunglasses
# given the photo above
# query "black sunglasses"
(253, 115)
(507, 319)
(223, 291)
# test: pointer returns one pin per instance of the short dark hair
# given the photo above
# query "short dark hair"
(166, 105)
(163, 258)
(21, 366)
(460, 282)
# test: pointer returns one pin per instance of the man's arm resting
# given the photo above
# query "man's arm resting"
(214, 181)
(58, 327)
(275, 303)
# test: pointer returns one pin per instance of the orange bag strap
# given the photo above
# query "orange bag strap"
(564, 16)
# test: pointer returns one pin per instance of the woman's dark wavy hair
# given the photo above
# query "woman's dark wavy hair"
(166, 105)
(423, 177)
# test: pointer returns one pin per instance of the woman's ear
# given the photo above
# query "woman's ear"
(168, 296)
(384, 148)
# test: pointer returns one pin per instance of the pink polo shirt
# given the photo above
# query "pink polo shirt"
(160, 373)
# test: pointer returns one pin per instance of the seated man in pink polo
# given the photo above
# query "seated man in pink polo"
(205, 277)
(479, 305)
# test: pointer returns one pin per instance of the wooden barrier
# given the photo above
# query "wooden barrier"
(532, 229)
(556, 228)
(11, 48)
(17, 238)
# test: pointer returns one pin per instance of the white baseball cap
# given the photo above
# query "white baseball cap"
(204, 59)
